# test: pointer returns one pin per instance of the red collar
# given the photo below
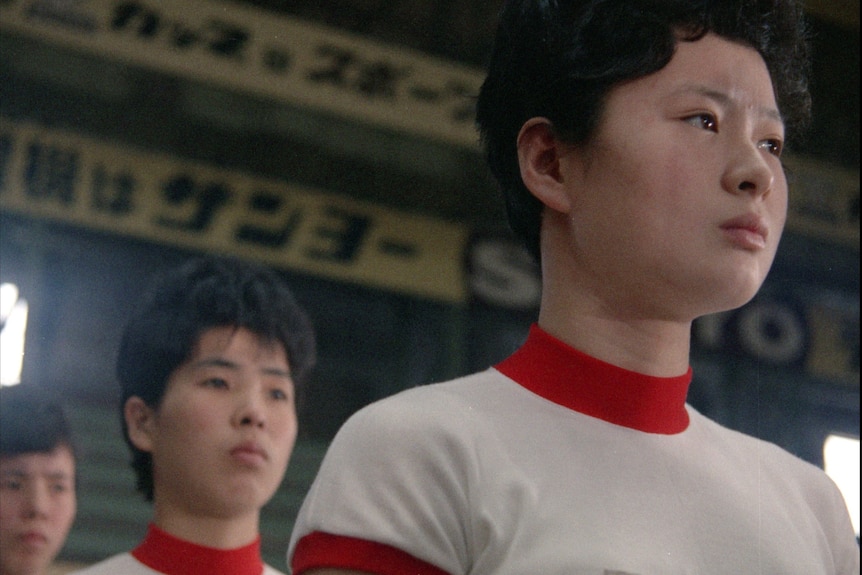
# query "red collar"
(167, 554)
(560, 373)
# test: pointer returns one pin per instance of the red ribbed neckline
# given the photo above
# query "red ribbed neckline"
(173, 556)
(560, 373)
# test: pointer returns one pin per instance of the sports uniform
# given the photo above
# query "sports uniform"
(163, 554)
(557, 463)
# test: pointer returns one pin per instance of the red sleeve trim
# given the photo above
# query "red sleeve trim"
(318, 550)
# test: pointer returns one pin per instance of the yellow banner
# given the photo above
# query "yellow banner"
(273, 56)
(318, 68)
(72, 179)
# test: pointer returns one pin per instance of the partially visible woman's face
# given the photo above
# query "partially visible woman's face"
(37, 508)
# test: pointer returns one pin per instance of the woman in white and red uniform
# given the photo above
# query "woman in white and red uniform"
(638, 144)
(209, 367)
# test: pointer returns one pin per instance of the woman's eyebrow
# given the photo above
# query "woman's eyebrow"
(729, 101)
(216, 362)
(276, 371)
(14, 473)
(58, 475)
(220, 362)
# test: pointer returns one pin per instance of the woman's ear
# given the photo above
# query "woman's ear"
(539, 155)
(140, 422)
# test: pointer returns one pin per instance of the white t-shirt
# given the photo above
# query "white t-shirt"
(486, 475)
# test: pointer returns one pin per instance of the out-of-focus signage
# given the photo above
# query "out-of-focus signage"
(824, 200)
(273, 56)
(314, 67)
(815, 330)
(73, 179)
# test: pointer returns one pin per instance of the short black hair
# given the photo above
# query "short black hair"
(204, 293)
(558, 59)
(31, 422)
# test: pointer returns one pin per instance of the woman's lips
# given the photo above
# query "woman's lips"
(33, 539)
(747, 231)
(249, 454)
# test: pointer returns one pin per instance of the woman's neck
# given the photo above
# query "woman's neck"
(619, 321)
(217, 532)
(651, 347)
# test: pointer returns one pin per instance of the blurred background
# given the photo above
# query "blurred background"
(333, 140)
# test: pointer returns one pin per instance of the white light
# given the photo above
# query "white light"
(14, 316)
(841, 460)
(8, 297)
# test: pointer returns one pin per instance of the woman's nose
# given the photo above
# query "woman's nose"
(250, 411)
(37, 500)
(748, 172)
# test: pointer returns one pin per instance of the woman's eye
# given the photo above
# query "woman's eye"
(703, 121)
(59, 488)
(772, 146)
(216, 382)
(278, 394)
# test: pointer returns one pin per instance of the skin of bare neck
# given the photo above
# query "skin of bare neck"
(609, 325)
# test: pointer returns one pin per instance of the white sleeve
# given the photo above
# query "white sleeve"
(845, 545)
(397, 473)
